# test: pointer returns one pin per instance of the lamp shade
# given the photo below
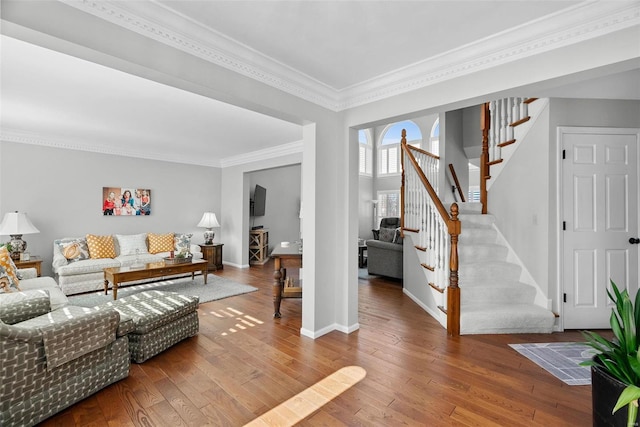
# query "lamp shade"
(17, 223)
(209, 220)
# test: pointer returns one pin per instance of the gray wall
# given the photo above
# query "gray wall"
(61, 190)
(452, 131)
(281, 218)
(365, 207)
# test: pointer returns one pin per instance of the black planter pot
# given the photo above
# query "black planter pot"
(605, 391)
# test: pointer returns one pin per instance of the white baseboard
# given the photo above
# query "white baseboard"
(334, 327)
(232, 264)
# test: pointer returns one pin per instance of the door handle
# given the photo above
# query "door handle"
(634, 241)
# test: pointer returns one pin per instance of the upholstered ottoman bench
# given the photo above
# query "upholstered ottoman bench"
(161, 320)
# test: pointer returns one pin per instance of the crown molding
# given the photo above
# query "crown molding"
(261, 155)
(24, 137)
(575, 24)
(582, 22)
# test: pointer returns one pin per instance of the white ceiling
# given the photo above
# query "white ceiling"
(344, 43)
(337, 50)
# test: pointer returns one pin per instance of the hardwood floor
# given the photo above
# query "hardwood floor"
(244, 363)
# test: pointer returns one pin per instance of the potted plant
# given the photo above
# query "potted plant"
(616, 364)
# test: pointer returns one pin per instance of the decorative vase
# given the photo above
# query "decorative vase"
(605, 391)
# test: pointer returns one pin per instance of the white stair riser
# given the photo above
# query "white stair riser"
(471, 236)
(472, 272)
(515, 293)
(474, 207)
(477, 220)
(487, 252)
(506, 319)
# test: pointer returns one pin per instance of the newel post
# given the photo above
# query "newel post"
(485, 125)
(453, 291)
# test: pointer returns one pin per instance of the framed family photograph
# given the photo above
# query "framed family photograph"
(126, 201)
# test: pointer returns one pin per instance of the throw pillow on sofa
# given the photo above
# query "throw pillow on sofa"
(74, 249)
(132, 244)
(159, 243)
(101, 246)
(183, 243)
(387, 234)
(8, 272)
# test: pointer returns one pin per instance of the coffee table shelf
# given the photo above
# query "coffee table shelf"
(117, 275)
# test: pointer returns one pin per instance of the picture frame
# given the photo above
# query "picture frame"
(126, 201)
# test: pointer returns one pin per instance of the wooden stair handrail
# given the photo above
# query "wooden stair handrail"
(432, 193)
(456, 182)
(453, 228)
(426, 153)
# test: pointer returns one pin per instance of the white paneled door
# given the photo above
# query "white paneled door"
(599, 193)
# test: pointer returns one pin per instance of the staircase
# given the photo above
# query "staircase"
(469, 278)
(493, 299)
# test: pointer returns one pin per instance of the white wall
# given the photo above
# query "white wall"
(281, 218)
(453, 154)
(520, 200)
(365, 207)
(61, 190)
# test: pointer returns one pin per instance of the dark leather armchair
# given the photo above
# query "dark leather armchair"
(384, 252)
(389, 222)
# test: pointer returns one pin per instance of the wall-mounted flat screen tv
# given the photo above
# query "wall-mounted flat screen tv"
(259, 200)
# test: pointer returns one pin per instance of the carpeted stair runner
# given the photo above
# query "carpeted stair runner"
(494, 301)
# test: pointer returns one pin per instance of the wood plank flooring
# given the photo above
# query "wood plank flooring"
(244, 363)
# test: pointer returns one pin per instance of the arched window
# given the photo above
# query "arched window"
(434, 146)
(366, 150)
(389, 148)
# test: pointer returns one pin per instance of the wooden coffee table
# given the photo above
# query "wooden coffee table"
(117, 275)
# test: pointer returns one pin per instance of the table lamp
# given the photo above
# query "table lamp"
(15, 224)
(209, 221)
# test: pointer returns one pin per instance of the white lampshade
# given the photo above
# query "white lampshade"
(209, 220)
(17, 223)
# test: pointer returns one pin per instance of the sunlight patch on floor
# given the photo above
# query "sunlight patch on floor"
(245, 320)
(310, 400)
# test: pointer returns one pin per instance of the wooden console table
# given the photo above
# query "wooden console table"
(117, 275)
(280, 255)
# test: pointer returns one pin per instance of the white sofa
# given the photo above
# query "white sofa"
(85, 275)
(29, 281)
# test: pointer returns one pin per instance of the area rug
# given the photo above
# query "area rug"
(215, 289)
(562, 359)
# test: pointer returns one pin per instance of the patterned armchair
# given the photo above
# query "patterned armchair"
(51, 359)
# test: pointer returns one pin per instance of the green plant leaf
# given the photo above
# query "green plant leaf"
(634, 363)
(616, 327)
(628, 395)
(628, 325)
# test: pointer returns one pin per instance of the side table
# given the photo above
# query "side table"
(213, 255)
(34, 262)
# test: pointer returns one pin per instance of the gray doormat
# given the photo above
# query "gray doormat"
(562, 359)
(215, 289)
